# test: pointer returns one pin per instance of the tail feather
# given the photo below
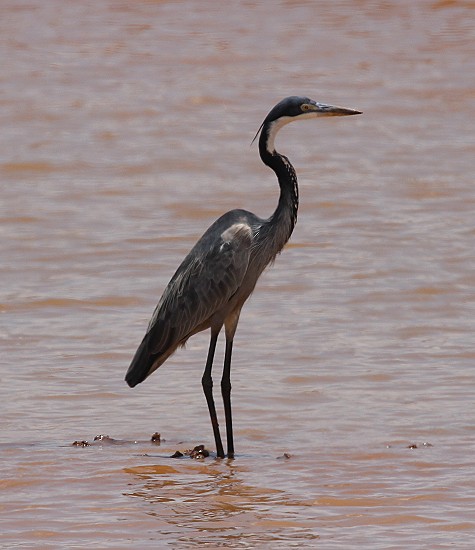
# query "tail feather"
(141, 364)
(147, 358)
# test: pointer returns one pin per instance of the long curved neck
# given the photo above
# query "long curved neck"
(282, 222)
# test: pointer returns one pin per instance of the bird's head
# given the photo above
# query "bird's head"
(294, 107)
(297, 108)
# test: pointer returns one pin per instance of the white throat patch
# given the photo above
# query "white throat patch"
(274, 128)
(277, 125)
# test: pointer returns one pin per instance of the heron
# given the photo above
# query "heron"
(210, 287)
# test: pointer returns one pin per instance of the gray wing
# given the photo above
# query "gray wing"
(206, 280)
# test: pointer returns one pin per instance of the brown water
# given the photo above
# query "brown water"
(125, 133)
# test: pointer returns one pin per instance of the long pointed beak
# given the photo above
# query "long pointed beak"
(333, 110)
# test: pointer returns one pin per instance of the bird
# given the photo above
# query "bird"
(220, 272)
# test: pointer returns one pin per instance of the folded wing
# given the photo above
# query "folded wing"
(203, 284)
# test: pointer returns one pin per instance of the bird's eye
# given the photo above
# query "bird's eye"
(305, 107)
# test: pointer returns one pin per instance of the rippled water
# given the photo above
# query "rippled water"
(125, 133)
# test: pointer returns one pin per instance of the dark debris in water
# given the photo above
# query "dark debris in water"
(198, 452)
(82, 443)
(102, 439)
(105, 439)
(415, 446)
(97, 439)
(285, 456)
(156, 438)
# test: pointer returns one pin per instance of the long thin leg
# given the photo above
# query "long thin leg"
(226, 393)
(207, 383)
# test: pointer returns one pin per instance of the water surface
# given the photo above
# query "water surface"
(125, 133)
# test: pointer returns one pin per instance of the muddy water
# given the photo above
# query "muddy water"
(125, 133)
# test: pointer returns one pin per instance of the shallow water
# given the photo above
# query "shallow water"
(125, 133)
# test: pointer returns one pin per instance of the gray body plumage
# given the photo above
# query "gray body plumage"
(214, 280)
(209, 288)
